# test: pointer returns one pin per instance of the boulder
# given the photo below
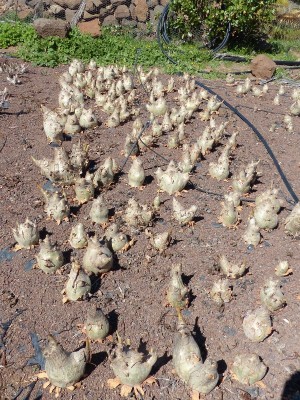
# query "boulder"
(90, 27)
(110, 20)
(69, 14)
(122, 11)
(141, 10)
(51, 27)
(262, 67)
(93, 6)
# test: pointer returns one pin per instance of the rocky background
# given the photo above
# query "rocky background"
(136, 13)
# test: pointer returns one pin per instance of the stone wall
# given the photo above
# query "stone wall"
(135, 13)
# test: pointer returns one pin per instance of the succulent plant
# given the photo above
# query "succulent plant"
(233, 271)
(177, 292)
(243, 180)
(52, 124)
(160, 241)
(79, 157)
(56, 206)
(118, 241)
(78, 237)
(59, 169)
(220, 169)
(84, 189)
(229, 216)
(131, 368)
(221, 292)
(270, 195)
(252, 234)
(99, 211)
(158, 107)
(87, 119)
(156, 202)
(167, 125)
(200, 377)
(272, 296)
(182, 215)
(173, 140)
(96, 326)
(187, 162)
(292, 222)
(137, 215)
(248, 368)
(283, 268)
(233, 196)
(26, 235)
(72, 126)
(97, 258)
(213, 104)
(265, 215)
(136, 173)
(78, 285)
(171, 180)
(257, 324)
(49, 258)
(64, 369)
(105, 174)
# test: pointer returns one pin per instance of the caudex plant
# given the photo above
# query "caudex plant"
(96, 326)
(64, 369)
(201, 377)
(132, 369)
(26, 235)
(257, 324)
(248, 368)
(177, 292)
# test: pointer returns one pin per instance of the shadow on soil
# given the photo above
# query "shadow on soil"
(291, 390)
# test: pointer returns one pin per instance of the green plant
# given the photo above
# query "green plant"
(11, 34)
(210, 18)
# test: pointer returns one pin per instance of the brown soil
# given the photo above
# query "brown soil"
(133, 294)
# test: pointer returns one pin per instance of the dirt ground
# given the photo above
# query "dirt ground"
(133, 293)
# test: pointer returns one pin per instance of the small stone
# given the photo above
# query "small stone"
(262, 67)
(28, 266)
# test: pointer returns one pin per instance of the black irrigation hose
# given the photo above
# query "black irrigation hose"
(162, 28)
(233, 109)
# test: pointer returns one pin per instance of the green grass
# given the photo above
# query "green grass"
(124, 47)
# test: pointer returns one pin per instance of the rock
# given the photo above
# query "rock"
(88, 16)
(128, 22)
(117, 2)
(262, 67)
(69, 14)
(152, 3)
(93, 6)
(90, 27)
(25, 13)
(164, 2)
(72, 4)
(109, 20)
(122, 11)
(141, 10)
(55, 9)
(51, 27)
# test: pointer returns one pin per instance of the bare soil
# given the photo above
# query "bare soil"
(133, 293)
